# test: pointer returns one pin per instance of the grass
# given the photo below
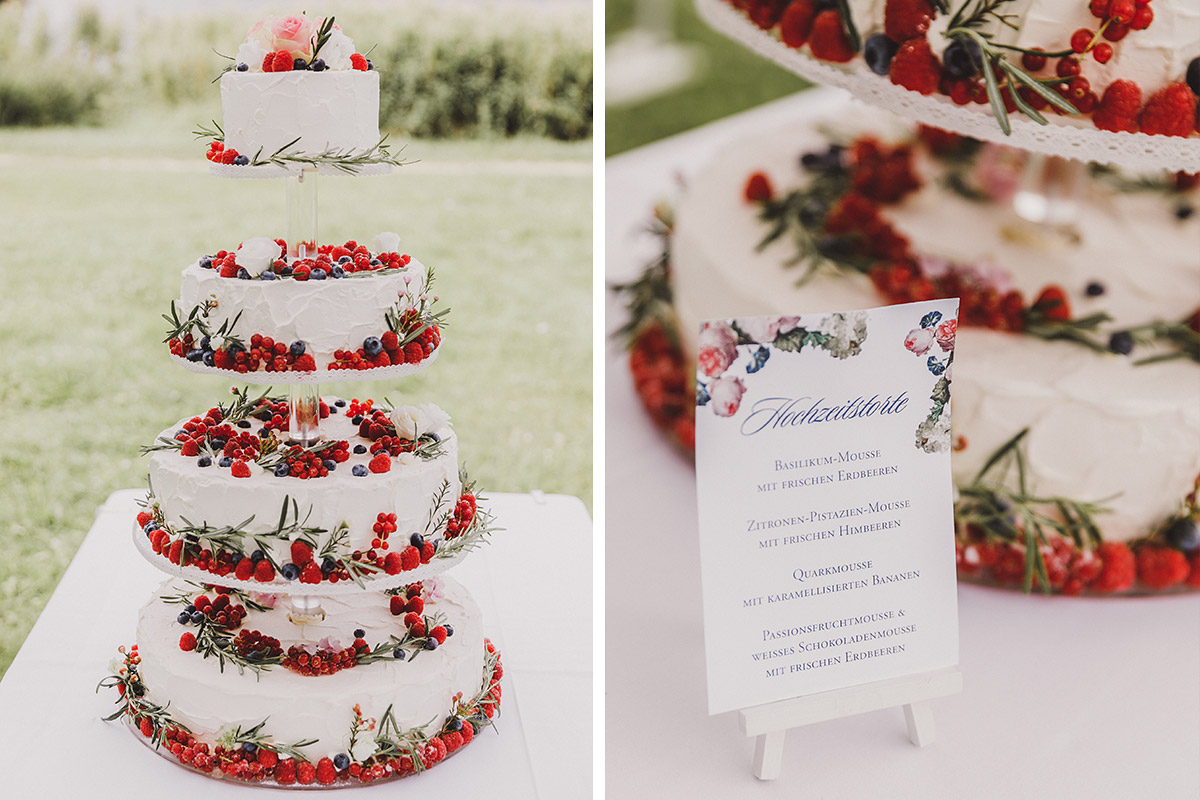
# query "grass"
(730, 79)
(98, 224)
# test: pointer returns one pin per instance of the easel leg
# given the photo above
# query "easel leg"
(768, 755)
(919, 719)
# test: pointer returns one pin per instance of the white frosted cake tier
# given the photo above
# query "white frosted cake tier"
(334, 110)
(212, 495)
(1101, 428)
(327, 315)
(420, 690)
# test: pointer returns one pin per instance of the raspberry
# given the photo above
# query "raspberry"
(190, 448)
(427, 551)
(187, 642)
(264, 572)
(435, 751)
(311, 573)
(765, 13)
(413, 354)
(758, 189)
(1171, 111)
(281, 61)
(915, 67)
(453, 741)
(410, 558)
(1052, 304)
(305, 363)
(396, 603)
(795, 26)
(1194, 578)
(143, 518)
(906, 19)
(829, 41)
(390, 340)
(240, 468)
(1160, 567)
(380, 463)
(267, 758)
(245, 568)
(229, 270)
(285, 772)
(467, 733)
(227, 157)
(1118, 568)
(439, 633)
(392, 566)
(415, 605)
(359, 62)
(301, 553)
(306, 772)
(326, 772)
(1118, 109)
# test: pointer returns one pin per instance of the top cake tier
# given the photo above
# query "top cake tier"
(298, 95)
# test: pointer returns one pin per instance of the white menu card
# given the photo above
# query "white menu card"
(825, 500)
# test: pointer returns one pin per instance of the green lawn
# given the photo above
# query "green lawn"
(97, 226)
(730, 79)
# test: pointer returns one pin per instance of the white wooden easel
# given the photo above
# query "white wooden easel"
(770, 722)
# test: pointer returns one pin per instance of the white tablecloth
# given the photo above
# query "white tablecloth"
(533, 583)
(1064, 698)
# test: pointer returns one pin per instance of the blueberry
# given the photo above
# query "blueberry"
(340, 403)
(1094, 289)
(375, 262)
(285, 272)
(299, 64)
(329, 464)
(1184, 534)
(240, 160)
(359, 449)
(345, 260)
(263, 433)
(296, 349)
(196, 617)
(318, 274)
(341, 761)
(218, 444)
(1193, 75)
(359, 633)
(829, 161)
(453, 724)
(1184, 211)
(357, 419)
(449, 630)
(257, 556)
(206, 343)
(963, 58)
(195, 355)
(370, 66)
(251, 747)
(834, 247)
(431, 643)
(233, 349)
(151, 527)
(878, 52)
(209, 359)
(1121, 343)
(417, 540)
(203, 461)
(225, 461)
(328, 565)
(359, 470)
(206, 262)
(242, 66)
(337, 271)
(289, 572)
(319, 66)
(243, 423)
(372, 346)
(184, 618)
(266, 275)
(189, 608)
(398, 654)
(281, 471)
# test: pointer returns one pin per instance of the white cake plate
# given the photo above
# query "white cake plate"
(381, 582)
(318, 376)
(1063, 137)
(274, 171)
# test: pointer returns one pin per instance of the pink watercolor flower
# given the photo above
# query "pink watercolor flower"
(945, 335)
(998, 170)
(726, 394)
(718, 348)
(760, 329)
(293, 34)
(919, 340)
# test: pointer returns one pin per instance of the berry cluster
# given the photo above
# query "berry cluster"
(324, 662)
(218, 611)
(297, 461)
(265, 354)
(331, 261)
(462, 517)
(661, 381)
(385, 525)
(282, 61)
(359, 409)
(387, 350)
(305, 567)
(220, 154)
(256, 646)
(407, 600)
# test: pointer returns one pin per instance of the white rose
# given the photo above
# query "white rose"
(408, 459)
(386, 242)
(363, 748)
(407, 420)
(251, 53)
(256, 254)
(337, 50)
(260, 34)
(434, 418)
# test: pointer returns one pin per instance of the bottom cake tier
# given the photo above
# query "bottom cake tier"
(385, 685)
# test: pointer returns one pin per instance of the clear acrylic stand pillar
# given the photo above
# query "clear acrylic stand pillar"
(301, 192)
(304, 414)
(306, 609)
(1051, 191)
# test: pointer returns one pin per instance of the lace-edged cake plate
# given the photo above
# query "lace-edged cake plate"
(1064, 137)
(378, 582)
(319, 376)
(275, 171)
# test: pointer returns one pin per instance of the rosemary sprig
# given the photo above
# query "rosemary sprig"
(321, 37)
(186, 597)
(215, 132)
(648, 299)
(242, 406)
(131, 701)
(237, 737)
(413, 646)
(345, 160)
(212, 643)
(339, 541)
(1081, 331)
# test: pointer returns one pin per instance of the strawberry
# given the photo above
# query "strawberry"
(758, 188)
(915, 67)
(311, 573)
(410, 558)
(829, 41)
(396, 604)
(1171, 111)
(390, 340)
(380, 463)
(285, 772)
(264, 572)
(906, 19)
(187, 642)
(245, 568)
(392, 566)
(795, 26)
(427, 551)
(1118, 108)
(281, 61)
(305, 363)
(1052, 304)
(240, 468)
(326, 772)
(301, 553)
(305, 772)
(359, 62)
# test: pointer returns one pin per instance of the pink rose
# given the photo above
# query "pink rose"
(726, 394)
(919, 340)
(788, 324)
(761, 329)
(718, 348)
(945, 334)
(293, 34)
